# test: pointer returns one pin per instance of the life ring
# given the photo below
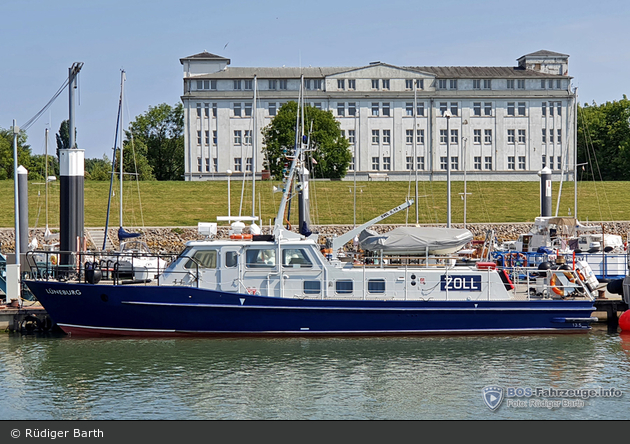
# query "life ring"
(554, 287)
(580, 275)
(569, 276)
(53, 259)
(518, 260)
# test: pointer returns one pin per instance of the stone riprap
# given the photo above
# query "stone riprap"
(171, 240)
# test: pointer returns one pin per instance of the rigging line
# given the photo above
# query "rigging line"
(587, 138)
(34, 119)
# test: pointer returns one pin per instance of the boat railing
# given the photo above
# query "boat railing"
(95, 266)
(550, 284)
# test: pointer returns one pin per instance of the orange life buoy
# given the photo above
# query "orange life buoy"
(579, 273)
(553, 283)
(241, 236)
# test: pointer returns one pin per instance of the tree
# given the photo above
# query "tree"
(38, 167)
(331, 150)
(161, 131)
(63, 137)
(6, 153)
(98, 169)
(604, 140)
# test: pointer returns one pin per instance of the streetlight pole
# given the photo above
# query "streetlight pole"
(447, 114)
(229, 173)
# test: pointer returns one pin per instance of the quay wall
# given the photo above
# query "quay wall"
(172, 239)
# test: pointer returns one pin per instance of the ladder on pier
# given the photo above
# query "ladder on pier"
(97, 236)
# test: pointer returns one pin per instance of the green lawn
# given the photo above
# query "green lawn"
(186, 203)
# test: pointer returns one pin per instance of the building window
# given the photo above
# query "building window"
(442, 84)
(476, 84)
(443, 162)
(386, 136)
(420, 83)
(510, 164)
(452, 84)
(238, 164)
(477, 136)
(207, 165)
(198, 109)
(420, 136)
(510, 108)
(510, 136)
(273, 84)
(559, 162)
(198, 137)
(214, 137)
(521, 162)
(410, 162)
(283, 84)
(487, 84)
(351, 166)
(454, 163)
(510, 84)
(341, 84)
(409, 136)
(550, 84)
(488, 163)
(477, 108)
(385, 83)
(420, 163)
(317, 105)
(248, 109)
(248, 137)
(237, 110)
(248, 164)
(386, 108)
(387, 163)
(375, 163)
(487, 136)
(374, 83)
(237, 84)
(237, 137)
(521, 108)
(443, 136)
(550, 135)
(544, 161)
(559, 108)
(420, 109)
(199, 164)
(477, 163)
(521, 136)
(249, 85)
(207, 137)
(206, 110)
(352, 108)
(351, 137)
(542, 84)
(409, 84)
(454, 137)
(214, 109)
(544, 136)
(341, 109)
(409, 108)
(544, 108)
(520, 84)
(375, 108)
(443, 107)
(454, 108)
(272, 108)
(375, 134)
(487, 109)
(352, 84)
(559, 135)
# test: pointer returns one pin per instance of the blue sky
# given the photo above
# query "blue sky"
(41, 39)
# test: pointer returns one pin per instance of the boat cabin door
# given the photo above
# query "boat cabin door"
(230, 271)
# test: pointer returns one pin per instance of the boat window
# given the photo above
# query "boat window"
(312, 287)
(344, 287)
(296, 258)
(260, 258)
(204, 259)
(376, 286)
(231, 259)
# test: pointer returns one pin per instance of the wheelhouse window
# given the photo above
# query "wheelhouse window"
(260, 258)
(343, 287)
(312, 287)
(296, 258)
(231, 259)
(202, 259)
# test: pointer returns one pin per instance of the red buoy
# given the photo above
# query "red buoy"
(624, 321)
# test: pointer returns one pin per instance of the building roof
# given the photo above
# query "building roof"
(205, 55)
(468, 72)
(544, 53)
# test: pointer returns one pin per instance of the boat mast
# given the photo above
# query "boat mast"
(46, 180)
(254, 148)
(122, 132)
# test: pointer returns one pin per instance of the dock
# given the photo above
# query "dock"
(31, 317)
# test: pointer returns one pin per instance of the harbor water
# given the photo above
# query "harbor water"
(55, 377)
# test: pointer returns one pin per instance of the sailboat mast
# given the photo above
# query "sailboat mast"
(122, 132)
(46, 179)
(254, 148)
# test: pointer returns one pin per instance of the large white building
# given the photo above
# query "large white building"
(501, 123)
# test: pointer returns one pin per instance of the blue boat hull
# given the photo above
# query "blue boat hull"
(163, 311)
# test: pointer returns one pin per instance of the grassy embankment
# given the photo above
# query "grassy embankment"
(186, 203)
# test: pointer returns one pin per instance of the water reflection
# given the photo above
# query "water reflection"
(300, 378)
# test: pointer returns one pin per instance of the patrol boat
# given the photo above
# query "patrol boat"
(288, 283)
